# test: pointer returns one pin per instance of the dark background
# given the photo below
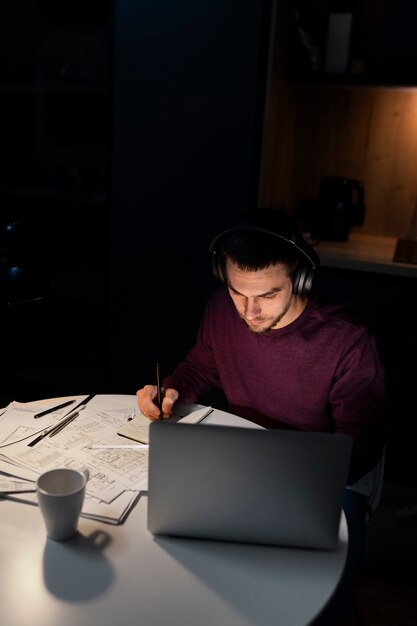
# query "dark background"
(131, 133)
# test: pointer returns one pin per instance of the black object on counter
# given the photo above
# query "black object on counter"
(341, 205)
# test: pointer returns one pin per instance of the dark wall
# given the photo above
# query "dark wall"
(131, 134)
(188, 87)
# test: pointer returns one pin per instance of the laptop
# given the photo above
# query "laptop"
(250, 485)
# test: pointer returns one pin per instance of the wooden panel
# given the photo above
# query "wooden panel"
(278, 136)
(368, 134)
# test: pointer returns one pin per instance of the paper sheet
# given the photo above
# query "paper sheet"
(117, 475)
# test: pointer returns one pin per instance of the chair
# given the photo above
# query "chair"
(371, 485)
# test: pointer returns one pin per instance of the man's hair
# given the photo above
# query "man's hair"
(252, 251)
(262, 238)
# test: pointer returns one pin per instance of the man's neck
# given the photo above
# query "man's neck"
(297, 307)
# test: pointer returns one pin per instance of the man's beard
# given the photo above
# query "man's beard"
(258, 330)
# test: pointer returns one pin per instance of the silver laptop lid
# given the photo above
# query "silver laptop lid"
(249, 485)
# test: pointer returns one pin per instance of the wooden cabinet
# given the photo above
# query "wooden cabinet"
(360, 124)
(366, 42)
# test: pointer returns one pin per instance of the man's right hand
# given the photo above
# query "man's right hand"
(148, 393)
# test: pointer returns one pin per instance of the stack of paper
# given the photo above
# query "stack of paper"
(117, 476)
(118, 468)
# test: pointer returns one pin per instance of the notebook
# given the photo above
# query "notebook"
(251, 485)
(137, 428)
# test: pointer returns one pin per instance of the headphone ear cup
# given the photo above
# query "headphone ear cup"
(297, 282)
(302, 280)
(217, 263)
(217, 258)
(308, 281)
(214, 267)
(221, 272)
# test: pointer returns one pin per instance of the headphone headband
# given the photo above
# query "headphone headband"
(300, 244)
(309, 259)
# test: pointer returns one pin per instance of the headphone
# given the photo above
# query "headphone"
(279, 225)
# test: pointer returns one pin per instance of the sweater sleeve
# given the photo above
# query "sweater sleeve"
(358, 402)
(197, 373)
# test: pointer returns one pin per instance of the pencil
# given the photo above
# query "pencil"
(16, 491)
(64, 423)
(120, 446)
(53, 430)
(53, 408)
(71, 415)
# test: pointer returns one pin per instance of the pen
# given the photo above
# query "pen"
(16, 491)
(120, 446)
(53, 408)
(159, 390)
(66, 420)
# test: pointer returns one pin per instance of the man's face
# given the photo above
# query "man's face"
(264, 298)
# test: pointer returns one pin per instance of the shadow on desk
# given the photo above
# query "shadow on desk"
(78, 569)
(213, 566)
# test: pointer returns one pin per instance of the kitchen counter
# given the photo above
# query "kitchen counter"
(369, 253)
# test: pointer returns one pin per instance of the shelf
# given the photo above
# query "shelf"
(377, 43)
(370, 253)
(350, 83)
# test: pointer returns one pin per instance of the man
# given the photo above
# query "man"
(285, 356)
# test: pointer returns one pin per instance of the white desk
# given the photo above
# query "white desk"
(109, 576)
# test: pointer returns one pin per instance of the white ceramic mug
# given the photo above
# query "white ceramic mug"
(60, 493)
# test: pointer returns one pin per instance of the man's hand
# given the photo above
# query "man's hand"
(148, 393)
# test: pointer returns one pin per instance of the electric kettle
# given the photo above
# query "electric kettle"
(340, 206)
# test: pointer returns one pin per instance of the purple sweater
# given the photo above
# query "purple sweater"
(319, 373)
